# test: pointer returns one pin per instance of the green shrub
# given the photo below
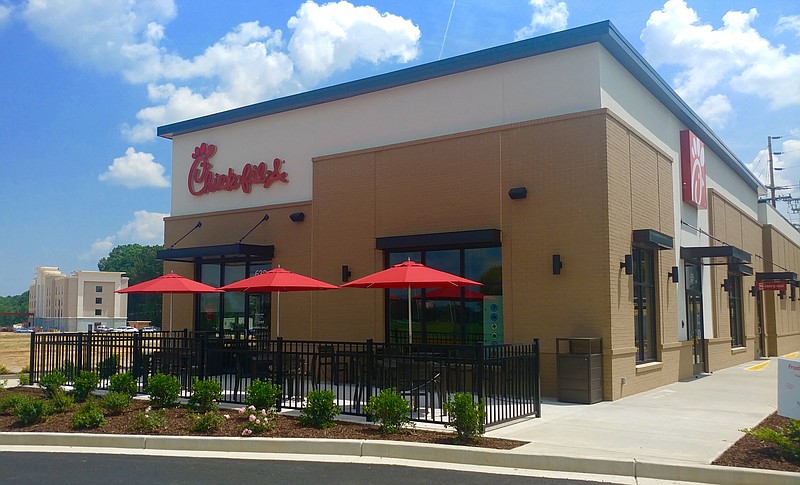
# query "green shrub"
(8, 402)
(320, 410)
(205, 394)
(466, 416)
(262, 394)
(148, 421)
(390, 410)
(163, 389)
(115, 402)
(108, 367)
(124, 383)
(26, 369)
(257, 421)
(61, 403)
(24, 379)
(52, 382)
(4, 369)
(84, 384)
(88, 417)
(29, 410)
(206, 422)
(787, 438)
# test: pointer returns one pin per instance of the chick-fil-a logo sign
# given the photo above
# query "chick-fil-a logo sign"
(203, 180)
(693, 169)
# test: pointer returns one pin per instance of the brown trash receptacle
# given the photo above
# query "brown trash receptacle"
(579, 370)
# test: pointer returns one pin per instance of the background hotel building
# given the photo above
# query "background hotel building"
(78, 301)
(560, 171)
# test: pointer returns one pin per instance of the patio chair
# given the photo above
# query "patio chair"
(325, 362)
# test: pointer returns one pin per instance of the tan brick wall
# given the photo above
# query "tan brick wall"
(782, 316)
(732, 226)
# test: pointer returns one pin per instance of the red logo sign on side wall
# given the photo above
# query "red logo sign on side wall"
(203, 180)
(771, 286)
(693, 169)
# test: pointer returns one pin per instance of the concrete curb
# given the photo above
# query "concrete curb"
(708, 474)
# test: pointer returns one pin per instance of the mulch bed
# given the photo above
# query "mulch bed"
(750, 452)
(179, 421)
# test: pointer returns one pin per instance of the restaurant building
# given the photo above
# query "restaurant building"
(562, 172)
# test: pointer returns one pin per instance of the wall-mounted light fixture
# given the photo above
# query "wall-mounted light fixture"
(673, 274)
(518, 193)
(627, 265)
(782, 294)
(297, 216)
(726, 285)
(557, 264)
(753, 291)
(345, 273)
(793, 293)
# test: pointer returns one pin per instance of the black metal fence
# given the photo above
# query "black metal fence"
(505, 377)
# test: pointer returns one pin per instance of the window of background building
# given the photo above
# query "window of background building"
(98, 301)
(98, 312)
(735, 308)
(450, 315)
(98, 289)
(644, 302)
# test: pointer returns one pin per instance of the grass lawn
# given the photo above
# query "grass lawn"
(15, 350)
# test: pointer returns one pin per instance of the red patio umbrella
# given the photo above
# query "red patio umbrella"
(410, 274)
(170, 283)
(278, 280)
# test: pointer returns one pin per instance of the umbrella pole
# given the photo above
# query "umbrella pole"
(170, 313)
(278, 316)
(409, 314)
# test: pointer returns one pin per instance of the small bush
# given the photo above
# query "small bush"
(29, 410)
(84, 384)
(262, 394)
(88, 417)
(163, 389)
(206, 422)
(124, 383)
(257, 421)
(787, 438)
(148, 421)
(115, 402)
(320, 410)
(108, 367)
(4, 369)
(24, 379)
(8, 402)
(61, 403)
(205, 394)
(390, 410)
(26, 369)
(52, 382)
(466, 416)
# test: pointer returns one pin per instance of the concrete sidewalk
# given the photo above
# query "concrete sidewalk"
(689, 422)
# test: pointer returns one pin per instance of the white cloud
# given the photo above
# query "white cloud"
(5, 15)
(331, 37)
(249, 64)
(135, 170)
(716, 110)
(146, 228)
(548, 15)
(790, 23)
(734, 56)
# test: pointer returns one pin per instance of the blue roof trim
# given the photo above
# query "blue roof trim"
(601, 32)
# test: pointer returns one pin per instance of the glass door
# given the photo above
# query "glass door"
(694, 317)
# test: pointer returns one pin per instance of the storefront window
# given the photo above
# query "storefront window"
(644, 292)
(735, 308)
(232, 311)
(450, 315)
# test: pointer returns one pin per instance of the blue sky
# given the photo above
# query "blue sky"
(86, 82)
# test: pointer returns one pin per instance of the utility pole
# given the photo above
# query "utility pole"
(771, 171)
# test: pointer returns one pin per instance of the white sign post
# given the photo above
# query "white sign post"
(789, 388)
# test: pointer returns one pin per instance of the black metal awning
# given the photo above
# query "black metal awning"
(652, 239)
(711, 255)
(780, 276)
(228, 252)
